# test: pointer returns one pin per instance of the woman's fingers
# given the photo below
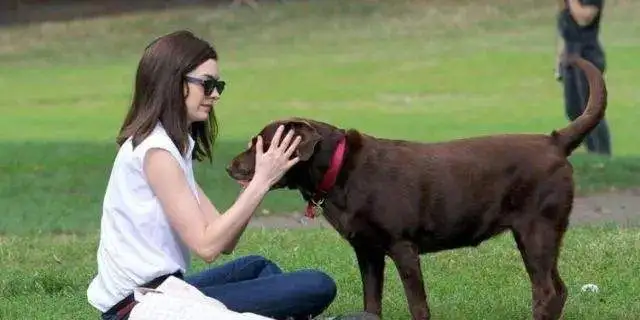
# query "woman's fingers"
(276, 138)
(292, 147)
(259, 148)
(292, 162)
(287, 139)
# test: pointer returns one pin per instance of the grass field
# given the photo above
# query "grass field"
(420, 70)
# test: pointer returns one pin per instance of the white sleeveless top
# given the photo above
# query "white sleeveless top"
(137, 243)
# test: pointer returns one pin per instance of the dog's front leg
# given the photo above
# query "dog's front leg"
(371, 264)
(407, 261)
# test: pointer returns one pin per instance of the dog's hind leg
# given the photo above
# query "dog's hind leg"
(407, 261)
(371, 264)
(539, 240)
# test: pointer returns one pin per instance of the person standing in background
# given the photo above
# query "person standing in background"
(579, 27)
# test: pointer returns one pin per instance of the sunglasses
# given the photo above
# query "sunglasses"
(209, 84)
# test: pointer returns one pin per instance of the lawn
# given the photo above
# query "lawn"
(45, 276)
(425, 71)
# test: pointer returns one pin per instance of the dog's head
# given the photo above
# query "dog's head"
(242, 166)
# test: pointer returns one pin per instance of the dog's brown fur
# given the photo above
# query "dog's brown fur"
(403, 199)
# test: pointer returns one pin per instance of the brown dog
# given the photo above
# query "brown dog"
(403, 199)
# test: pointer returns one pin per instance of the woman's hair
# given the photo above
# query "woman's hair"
(159, 94)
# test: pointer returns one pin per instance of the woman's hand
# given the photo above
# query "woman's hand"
(273, 164)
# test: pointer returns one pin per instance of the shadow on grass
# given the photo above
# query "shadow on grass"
(58, 187)
(596, 174)
(17, 12)
(21, 12)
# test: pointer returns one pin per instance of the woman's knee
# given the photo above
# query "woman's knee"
(316, 286)
(261, 265)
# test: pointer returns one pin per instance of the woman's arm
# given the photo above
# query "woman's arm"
(211, 213)
(205, 234)
(560, 54)
(584, 14)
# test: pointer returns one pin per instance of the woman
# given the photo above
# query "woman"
(155, 213)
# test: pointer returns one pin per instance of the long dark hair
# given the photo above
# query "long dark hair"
(159, 94)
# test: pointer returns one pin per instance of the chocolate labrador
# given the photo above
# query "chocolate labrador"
(403, 198)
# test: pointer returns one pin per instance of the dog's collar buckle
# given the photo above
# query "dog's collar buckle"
(314, 208)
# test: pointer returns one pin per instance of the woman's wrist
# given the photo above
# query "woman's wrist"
(258, 186)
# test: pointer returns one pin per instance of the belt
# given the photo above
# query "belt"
(122, 309)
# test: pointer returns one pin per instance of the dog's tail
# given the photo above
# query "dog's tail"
(571, 136)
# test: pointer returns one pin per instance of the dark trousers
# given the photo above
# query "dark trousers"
(576, 95)
(255, 284)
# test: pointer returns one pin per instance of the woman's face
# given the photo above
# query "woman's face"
(200, 102)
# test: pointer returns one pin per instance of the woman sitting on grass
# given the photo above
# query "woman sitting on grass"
(155, 213)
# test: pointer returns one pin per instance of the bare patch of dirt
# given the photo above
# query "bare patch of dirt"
(288, 221)
(620, 207)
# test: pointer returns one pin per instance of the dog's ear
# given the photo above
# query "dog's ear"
(310, 138)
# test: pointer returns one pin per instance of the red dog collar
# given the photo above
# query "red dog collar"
(329, 178)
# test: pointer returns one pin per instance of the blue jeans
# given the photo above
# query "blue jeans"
(255, 284)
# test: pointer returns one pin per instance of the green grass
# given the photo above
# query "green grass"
(58, 187)
(45, 277)
(426, 71)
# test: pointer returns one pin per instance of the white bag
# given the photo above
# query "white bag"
(176, 300)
